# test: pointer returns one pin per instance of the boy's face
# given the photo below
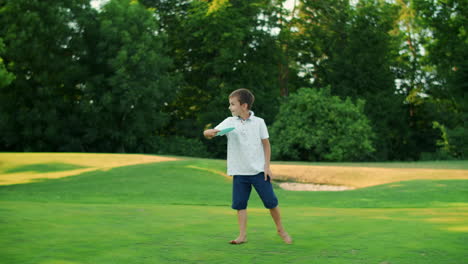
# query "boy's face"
(236, 108)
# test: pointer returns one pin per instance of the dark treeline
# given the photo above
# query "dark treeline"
(148, 76)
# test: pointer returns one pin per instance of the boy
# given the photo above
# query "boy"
(248, 160)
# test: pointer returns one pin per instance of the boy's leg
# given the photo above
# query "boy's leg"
(240, 196)
(266, 193)
(242, 219)
(276, 215)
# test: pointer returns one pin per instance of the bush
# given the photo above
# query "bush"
(440, 154)
(177, 145)
(453, 143)
(458, 138)
(313, 125)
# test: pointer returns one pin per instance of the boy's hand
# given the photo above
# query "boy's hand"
(268, 173)
(267, 150)
(210, 133)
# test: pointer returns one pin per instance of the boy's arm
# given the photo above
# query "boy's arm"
(267, 151)
(210, 133)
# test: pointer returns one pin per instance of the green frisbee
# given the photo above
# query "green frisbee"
(225, 131)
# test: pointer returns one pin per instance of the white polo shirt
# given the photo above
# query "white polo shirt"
(245, 155)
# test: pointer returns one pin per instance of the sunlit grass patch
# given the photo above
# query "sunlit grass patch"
(45, 167)
(27, 167)
(436, 164)
(458, 228)
(359, 177)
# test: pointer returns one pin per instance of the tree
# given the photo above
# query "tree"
(413, 74)
(219, 46)
(5, 77)
(42, 51)
(130, 85)
(447, 52)
(350, 48)
(313, 125)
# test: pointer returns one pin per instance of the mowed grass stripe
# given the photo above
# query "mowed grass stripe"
(144, 233)
(28, 167)
(178, 212)
(167, 183)
(179, 183)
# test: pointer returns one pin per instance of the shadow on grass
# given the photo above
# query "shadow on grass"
(48, 167)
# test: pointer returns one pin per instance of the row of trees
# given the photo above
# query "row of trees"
(150, 75)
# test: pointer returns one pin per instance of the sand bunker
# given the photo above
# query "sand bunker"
(293, 186)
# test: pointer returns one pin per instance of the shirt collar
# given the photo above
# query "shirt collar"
(251, 115)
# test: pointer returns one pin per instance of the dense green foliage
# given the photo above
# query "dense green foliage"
(448, 53)
(352, 51)
(38, 110)
(131, 75)
(316, 126)
(171, 213)
(5, 77)
(130, 85)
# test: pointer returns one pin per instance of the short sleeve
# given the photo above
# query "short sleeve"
(225, 124)
(263, 130)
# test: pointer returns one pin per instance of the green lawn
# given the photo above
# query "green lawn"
(440, 164)
(172, 213)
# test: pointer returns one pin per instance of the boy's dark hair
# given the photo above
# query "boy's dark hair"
(245, 97)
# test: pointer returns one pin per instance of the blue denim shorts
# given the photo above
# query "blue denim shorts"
(242, 186)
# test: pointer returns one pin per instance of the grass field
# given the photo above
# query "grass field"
(178, 212)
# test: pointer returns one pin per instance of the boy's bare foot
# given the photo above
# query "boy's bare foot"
(238, 241)
(235, 242)
(285, 236)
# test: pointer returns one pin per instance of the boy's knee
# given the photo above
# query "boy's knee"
(270, 204)
(239, 205)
